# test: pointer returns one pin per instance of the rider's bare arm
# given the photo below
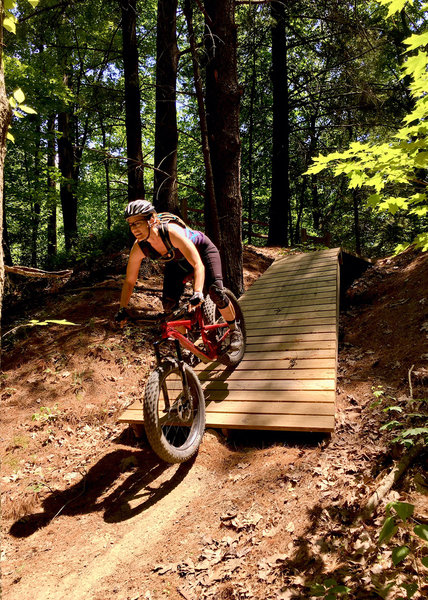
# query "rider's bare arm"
(189, 251)
(132, 270)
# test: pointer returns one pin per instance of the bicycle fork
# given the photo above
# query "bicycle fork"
(181, 405)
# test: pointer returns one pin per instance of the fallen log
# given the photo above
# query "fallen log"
(389, 480)
(33, 272)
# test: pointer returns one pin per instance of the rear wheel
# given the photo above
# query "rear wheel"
(174, 418)
(213, 315)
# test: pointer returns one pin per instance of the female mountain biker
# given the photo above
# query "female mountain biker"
(185, 251)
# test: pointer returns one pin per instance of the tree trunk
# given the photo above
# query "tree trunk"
(132, 101)
(52, 194)
(223, 97)
(35, 204)
(66, 166)
(211, 225)
(5, 116)
(166, 136)
(251, 146)
(107, 172)
(280, 201)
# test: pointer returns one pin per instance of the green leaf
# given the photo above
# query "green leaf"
(9, 24)
(19, 95)
(399, 554)
(317, 589)
(9, 4)
(411, 589)
(330, 582)
(388, 530)
(416, 40)
(27, 109)
(34, 3)
(403, 509)
(10, 137)
(424, 561)
(421, 531)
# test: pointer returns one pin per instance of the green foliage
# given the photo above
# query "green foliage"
(409, 427)
(46, 414)
(329, 590)
(396, 164)
(400, 522)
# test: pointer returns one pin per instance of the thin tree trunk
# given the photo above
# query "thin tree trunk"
(212, 227)
(66, 166)
(52, 194)
(35, 216)
(223, 96)
(5, 116)
(166, 136)
(132, 101)
(280, 202)
(107, 172)
(356, 206)
(251, 147)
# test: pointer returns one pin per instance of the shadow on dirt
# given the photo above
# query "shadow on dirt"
(123, 484)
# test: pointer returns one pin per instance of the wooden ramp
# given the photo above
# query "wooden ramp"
(287, 378)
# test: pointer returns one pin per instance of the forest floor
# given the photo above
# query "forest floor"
(90, 513)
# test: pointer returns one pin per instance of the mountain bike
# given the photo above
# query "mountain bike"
(174, 403)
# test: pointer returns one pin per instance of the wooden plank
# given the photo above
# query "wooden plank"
(300, 277)
(284, 384)
(299, 320)
(315, 423)
(272, 396)
(254, 338)
(269, 328)
(247, 375)
(302, 363)
(293, 310)
(270, 408)
(270, 346)
(312, 301)
(290, 353)
(304, 291)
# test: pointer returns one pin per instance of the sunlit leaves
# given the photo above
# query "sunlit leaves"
(393, 165)
(394, 5)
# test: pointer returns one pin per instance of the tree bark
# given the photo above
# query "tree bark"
(223, 97)
(5, 117)
(210, 200)
(132, 101)
(107, 172)
(66, 166)
(166, 136)
(52, 194)
(280, 201)
(35, 199)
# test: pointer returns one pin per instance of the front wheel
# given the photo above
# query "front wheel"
(174, 413)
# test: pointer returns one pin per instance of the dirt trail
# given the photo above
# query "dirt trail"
(90, 513)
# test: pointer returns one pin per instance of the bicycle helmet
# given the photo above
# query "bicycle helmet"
(139, 207)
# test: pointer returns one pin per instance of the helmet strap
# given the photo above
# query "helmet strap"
(150, 225)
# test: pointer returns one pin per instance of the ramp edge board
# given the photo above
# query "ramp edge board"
(287, 379)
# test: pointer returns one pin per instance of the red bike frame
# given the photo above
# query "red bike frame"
(170, 331)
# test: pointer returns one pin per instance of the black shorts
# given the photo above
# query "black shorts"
(176, 271)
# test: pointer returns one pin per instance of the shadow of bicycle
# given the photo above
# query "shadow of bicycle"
(122, 484)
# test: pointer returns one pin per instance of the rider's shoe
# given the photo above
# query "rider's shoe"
(236, 339)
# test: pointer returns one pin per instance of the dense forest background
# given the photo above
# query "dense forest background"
(216, 107)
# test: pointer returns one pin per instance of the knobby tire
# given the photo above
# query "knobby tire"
(174, 431)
